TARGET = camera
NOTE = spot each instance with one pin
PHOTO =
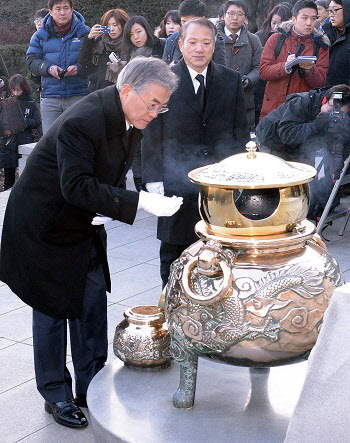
(338, 120)
(62, 73)
(105, 29)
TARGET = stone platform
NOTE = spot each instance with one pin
(128, 405)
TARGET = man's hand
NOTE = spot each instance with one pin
(307, 65)
(159, 205)
(290, 58)
(71, 70)
(54, 70)
(245, 81)
(155, 187)
(322, 121)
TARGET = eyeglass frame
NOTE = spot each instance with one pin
(38, 20)
(151, 108)
(333, 12)
(237, 14)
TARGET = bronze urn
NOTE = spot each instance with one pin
(253, 290)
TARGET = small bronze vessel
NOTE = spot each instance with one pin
(142, 340)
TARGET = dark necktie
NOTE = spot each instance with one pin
(201, 91)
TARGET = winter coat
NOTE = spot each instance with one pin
(259, 88)
(158, 47)
(172, 51)
(305, 142)
(279, 84)
(244, 56)
(97, 78)
(74, 172)
(184, 138)
(9, 145)
(47, 48)
(339, 53)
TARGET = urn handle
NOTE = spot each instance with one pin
(207, 279)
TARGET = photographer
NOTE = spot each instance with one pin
(315, 129)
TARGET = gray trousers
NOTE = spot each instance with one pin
(52, 107)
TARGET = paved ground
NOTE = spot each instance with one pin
(133, 258)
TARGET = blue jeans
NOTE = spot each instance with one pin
(52, 107)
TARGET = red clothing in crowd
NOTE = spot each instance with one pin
(279, 84)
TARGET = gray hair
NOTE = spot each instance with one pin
(141, 72)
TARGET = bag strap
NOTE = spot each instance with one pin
(279, 44)
(251, 41)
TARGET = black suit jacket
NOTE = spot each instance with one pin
(184, 139)
(73, 173)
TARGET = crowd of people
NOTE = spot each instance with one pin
(118, 95)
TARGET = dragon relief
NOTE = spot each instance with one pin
(209, 310)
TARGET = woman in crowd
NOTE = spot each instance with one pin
(171, 23)
(19, 88)
(338, 32)
(280, 13)
(139, 40)
(97, 46)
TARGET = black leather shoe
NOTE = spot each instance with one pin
(80, 400)
(67, 413)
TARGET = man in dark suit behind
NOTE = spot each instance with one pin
(53, 249)
(207, 122)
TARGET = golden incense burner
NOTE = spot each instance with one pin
(253, 290)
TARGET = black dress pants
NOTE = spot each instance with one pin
(10, 177)
(168, 253)
(88, 337)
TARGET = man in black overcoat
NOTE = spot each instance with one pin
(207, 122)
(53, 250)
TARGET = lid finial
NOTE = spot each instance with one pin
(251, 148)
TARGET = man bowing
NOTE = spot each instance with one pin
(53, 249)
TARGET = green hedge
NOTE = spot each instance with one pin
(16, 18)
(153, 10)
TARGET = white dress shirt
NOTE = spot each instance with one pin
(229, 33)
(194, 74)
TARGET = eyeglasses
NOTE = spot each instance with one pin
(151, 108)
(235, 14)
(333, 11)
(38, 21)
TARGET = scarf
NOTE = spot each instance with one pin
(145, 51)
(105, 44)
(108, 45)
(62, 30)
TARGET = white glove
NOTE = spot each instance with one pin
(100, 220)
(159, 205)
(155, 187)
